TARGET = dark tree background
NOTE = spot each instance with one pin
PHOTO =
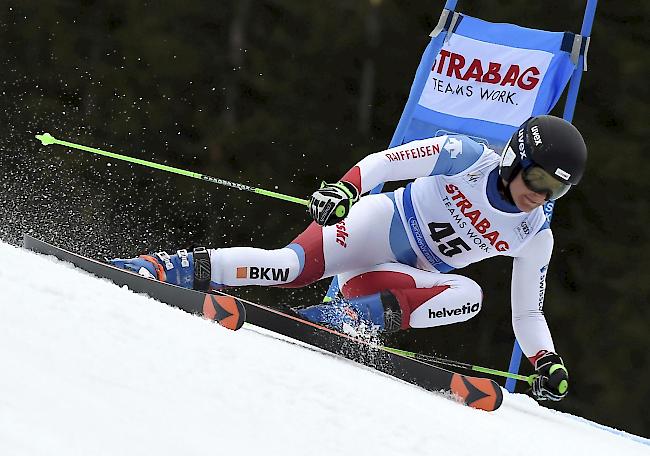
(284, 93)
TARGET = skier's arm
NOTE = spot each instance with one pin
(447, 155)
(528, 287)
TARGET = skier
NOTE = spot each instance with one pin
(394, 252)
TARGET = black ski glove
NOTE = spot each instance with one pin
(552, 382)
(332, 202)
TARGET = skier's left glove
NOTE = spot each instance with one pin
(332, 202)
(552, 381)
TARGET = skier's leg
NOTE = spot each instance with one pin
(425, 298)
(361, 241)
(395, 296)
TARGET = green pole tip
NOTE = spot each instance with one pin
(46, 139)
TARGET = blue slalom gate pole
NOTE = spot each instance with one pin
(515, 362)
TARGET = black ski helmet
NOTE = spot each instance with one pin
(549, 142)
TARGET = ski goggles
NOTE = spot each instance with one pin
(539, 180)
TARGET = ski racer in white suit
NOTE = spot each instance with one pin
(394, 253)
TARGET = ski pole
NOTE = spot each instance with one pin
(448, 362)
(48, 139)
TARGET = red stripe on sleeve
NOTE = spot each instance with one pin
(354, 177)
(533, 359)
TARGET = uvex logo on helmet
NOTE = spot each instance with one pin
(521, 145)
(456, 65)
(537, 137)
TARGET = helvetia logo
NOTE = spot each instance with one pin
(254, 272)
(444, 312)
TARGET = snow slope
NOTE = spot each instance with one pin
(88, 368)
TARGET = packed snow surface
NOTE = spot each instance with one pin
(88, 368)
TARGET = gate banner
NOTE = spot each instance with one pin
(487, 79)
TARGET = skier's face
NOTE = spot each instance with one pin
(525, 199)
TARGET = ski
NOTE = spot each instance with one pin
(476, 392)
(228, 311)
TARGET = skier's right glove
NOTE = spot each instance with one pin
(552, 381)
(332, 202)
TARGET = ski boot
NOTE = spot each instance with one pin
(361, 316)
(185, 269)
